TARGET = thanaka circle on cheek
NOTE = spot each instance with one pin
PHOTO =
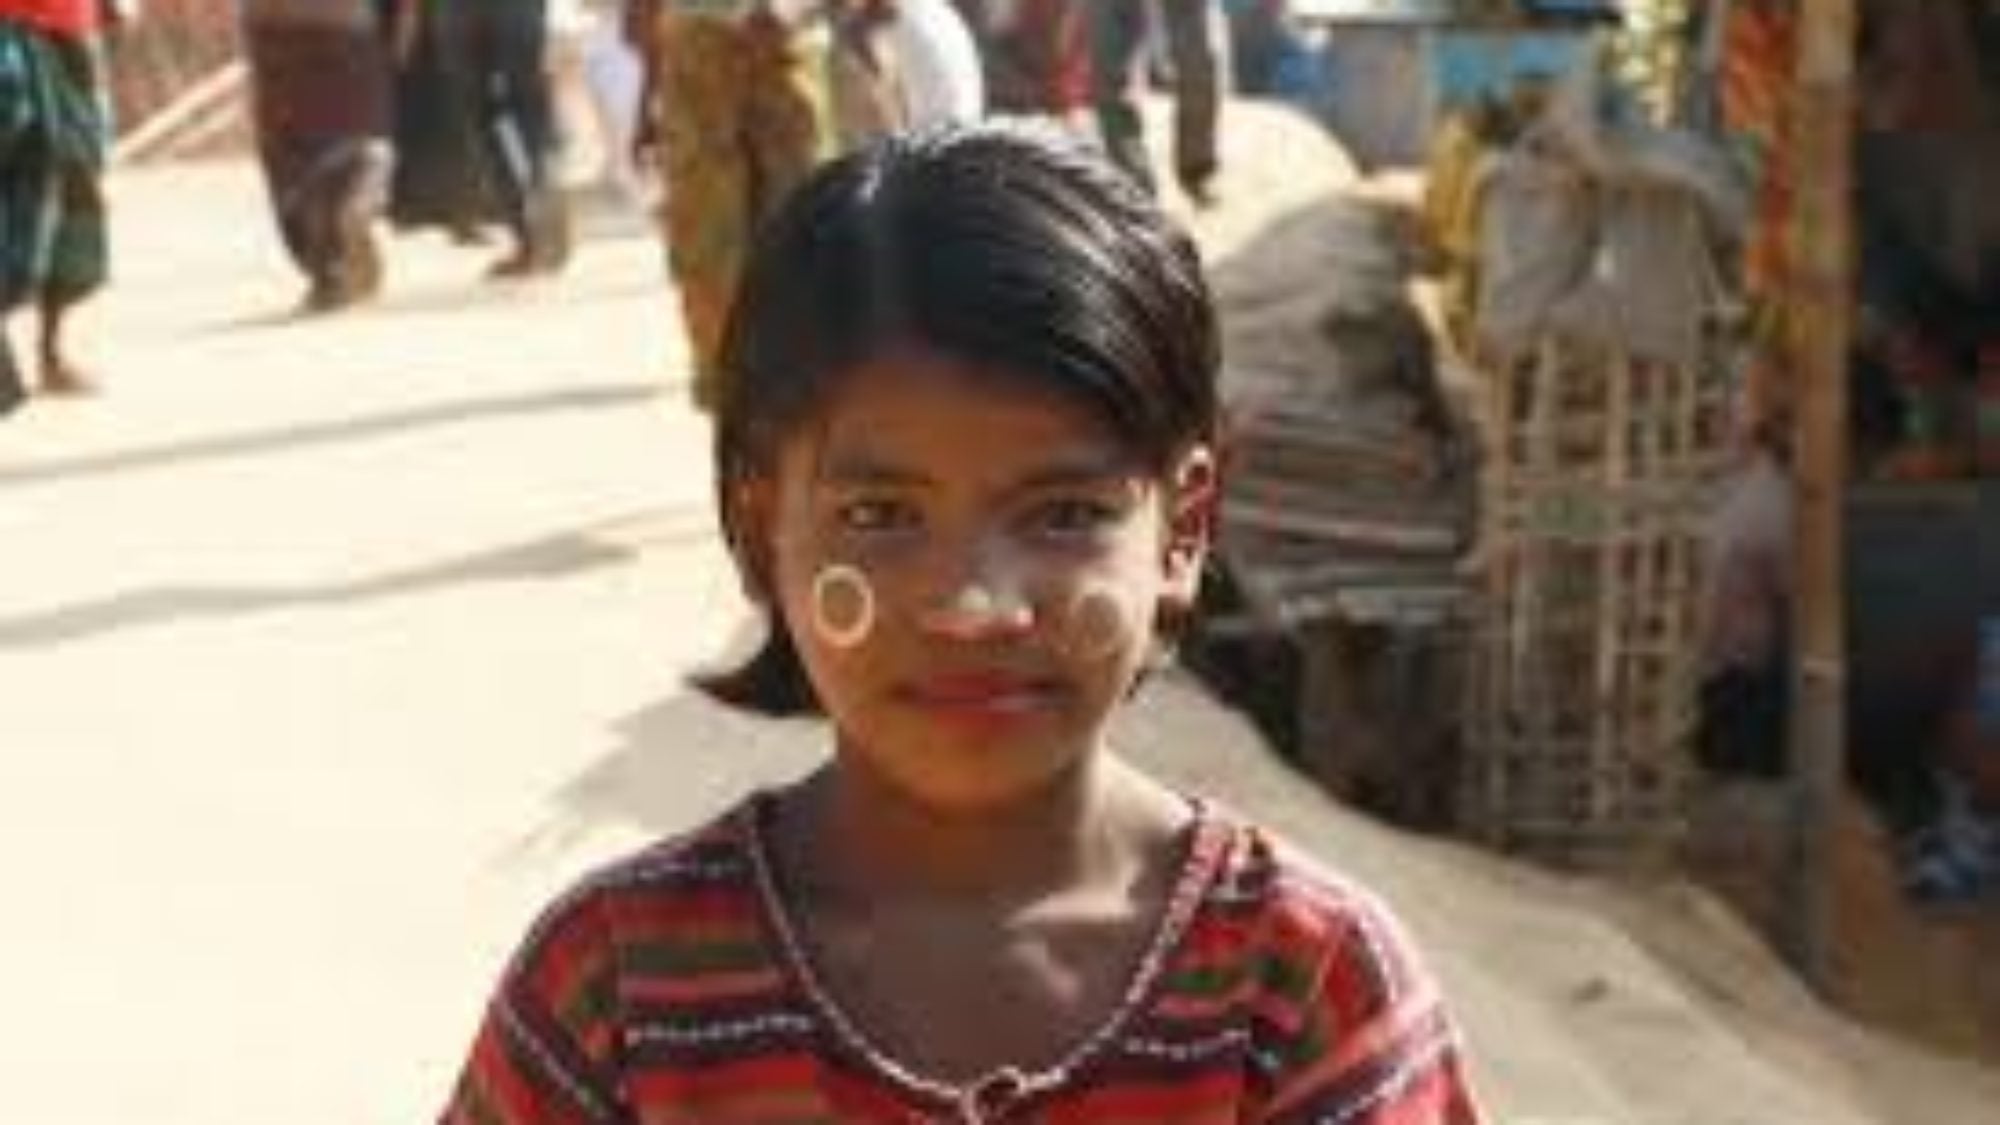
(843, 606)
(1093, 625)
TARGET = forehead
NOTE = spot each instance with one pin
(923, 415)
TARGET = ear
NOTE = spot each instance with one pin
(747, 521)
(1193, 499)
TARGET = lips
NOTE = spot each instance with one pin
(980, 695)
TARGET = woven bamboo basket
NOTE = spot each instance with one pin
(1582, 696)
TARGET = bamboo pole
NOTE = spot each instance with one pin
(204, 97)
(1821, 300)
(1613, 727)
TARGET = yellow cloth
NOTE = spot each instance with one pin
(741, 113)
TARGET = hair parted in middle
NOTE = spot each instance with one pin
(1005, 246)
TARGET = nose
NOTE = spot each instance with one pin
(981, 602)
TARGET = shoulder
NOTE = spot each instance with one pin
(1348, 1022)
(676, 884)
(1302, 909)
(630, 942)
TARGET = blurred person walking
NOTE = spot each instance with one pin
(442, 176)
(733, 115)
(53, 246)
(901, 64)
(321, 105)
(487, 70)
(1118, 39)
(614, 76)
(1035, 55)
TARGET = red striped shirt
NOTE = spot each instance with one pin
(657, 991)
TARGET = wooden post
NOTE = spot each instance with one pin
(1818, 319)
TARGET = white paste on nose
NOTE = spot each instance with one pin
(974, 609)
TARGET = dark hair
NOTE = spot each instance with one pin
(1003, 245)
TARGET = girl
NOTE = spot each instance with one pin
(966, 463)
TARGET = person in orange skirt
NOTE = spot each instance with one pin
(733, 118)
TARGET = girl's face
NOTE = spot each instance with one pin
(972, 572)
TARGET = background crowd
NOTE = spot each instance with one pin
(467, 117)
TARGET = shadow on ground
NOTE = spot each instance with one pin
(673, 765)
(294, 438)
(597, 218)
(585, 548)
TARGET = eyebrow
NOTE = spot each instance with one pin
(859, 468)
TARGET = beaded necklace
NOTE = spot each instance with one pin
(1006, 1088)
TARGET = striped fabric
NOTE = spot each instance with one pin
(657, 993)
(1759, 53)
(54, 246)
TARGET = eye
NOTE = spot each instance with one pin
(874, 515)
(1073, 517)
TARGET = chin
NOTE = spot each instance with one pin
(971, 775)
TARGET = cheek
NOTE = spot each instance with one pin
(836, 606)
(1097, 622)
(842, 607)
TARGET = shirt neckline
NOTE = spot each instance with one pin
(1007, 1087)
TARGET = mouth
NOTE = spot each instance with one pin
(981, 697)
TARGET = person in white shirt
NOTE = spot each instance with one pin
(901, 64)
(600, 79)
(942, 80)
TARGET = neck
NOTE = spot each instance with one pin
(854, 838)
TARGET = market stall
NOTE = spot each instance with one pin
(1874, 263)
(1871, 131)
